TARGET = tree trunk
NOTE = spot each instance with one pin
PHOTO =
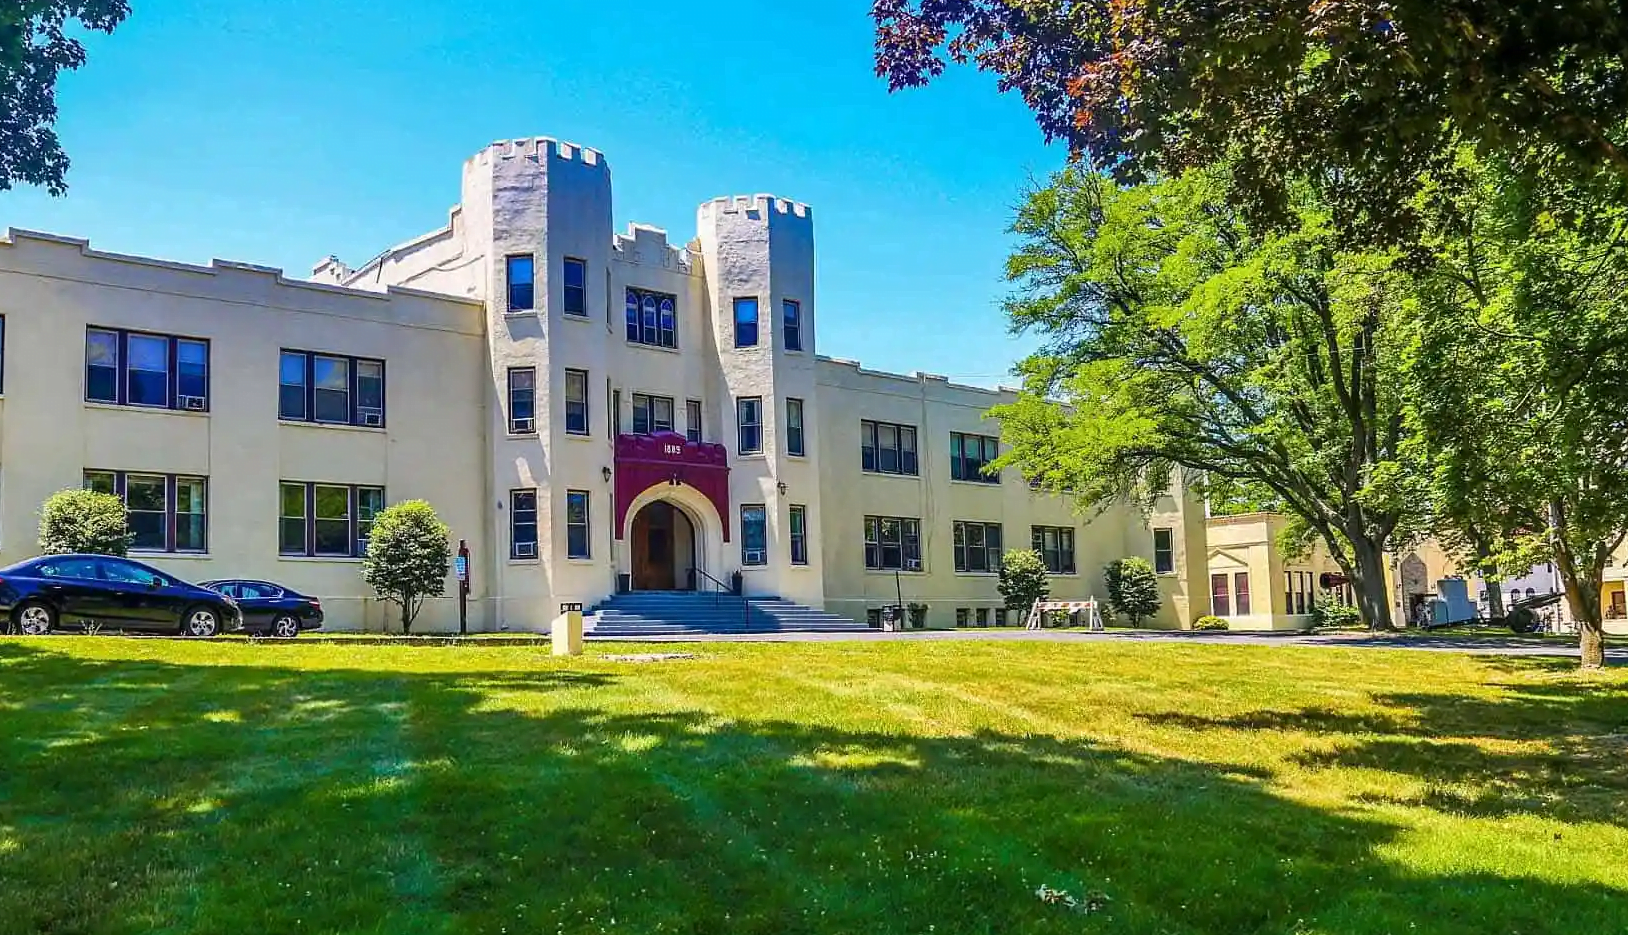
(1369, 581)
(1495, 597)
(1583, 598)
(406, 615)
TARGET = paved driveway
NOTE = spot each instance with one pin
(1491, 644)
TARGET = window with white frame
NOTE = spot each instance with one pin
(746, 321)
(794, 426)
(577, 539)
(154, 371)
(331, 389)
(576, 402)
(166, 512)
(754, 534)
(893, 542)
(576, 287)
(652, 318)
(521, 278)
(692, 420)
(791, 325)
(1164, 551)
(326, 520)
(977, 546)
(749, 425)
(887, 447)
(522, 400)
(799, 534)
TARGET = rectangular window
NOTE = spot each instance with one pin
(893, 542)
(652, 414)
(1164, 551)
(1000, 616)
(615, 412)
(326, 520)
(963, 616)
(1219, 604)
(155, 371)
(791, 328)
(522, 400)
(576, 402)
(749, 420)
(746, 321)
(522, 524)
(983, 616)
(887, 448)
(1056, 545)
(330, 388)
(576, 287)
(794, 426)
(576, 524)
(692, 420)
(652, 318)
(970, 454)
(977, 546)
(167, 513)
(754, 534)
(521, 284)
(799, 535)
(1240, 592)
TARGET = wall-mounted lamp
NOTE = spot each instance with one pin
(781, 487)
(605, 472)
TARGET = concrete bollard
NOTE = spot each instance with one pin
(567, 631)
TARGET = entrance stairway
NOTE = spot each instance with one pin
(690, 613)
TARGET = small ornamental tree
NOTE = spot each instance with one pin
(1133, 588)
(408, 555)
(1023, 580)
(84, 521)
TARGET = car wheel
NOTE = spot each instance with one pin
(33, 618)
(200, 622)
(285, 627)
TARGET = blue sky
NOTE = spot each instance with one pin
(278, 133)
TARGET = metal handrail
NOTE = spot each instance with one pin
(721, 586)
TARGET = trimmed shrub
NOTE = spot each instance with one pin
(1023, 580)
(1209, 622)
(1133, 588)
(84, 521)
(1330, 611)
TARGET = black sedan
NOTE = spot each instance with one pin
(93, 591)
(270, 609)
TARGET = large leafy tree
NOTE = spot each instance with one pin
(408, 554)
(1180, 337)
(35, 47)
(1518, 389)
(1359, 95)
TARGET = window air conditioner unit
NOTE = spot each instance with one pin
(372, 419)
(756, 557)
(525, 550)
(525, 426)
(912, 564)
(192, 403)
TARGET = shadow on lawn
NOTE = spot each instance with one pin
(146, 796)
(1552, 749)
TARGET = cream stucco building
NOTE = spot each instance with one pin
(591, 411)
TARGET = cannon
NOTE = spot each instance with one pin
(1523, 614)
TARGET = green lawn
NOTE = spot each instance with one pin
(225, 787)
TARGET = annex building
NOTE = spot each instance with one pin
(591, 411)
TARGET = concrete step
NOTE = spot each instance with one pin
(657, 613)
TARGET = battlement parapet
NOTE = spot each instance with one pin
(647, 245)
(761, 205)
(542, 148)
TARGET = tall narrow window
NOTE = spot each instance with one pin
(291, 520)
(1240, 592)
(616, 413)
(191, 373)
(522, 524)
(1219, 604)
(692, 420)
(332, 523)
(576, 287)
(791, 325)
(291, 387)
(102, 366)
(332, 394)
(576, 524)
(799, 534)
(1164, 551)
(754, 534)
(2, 353)
(576, 402)
(746, 322)
(148, 504)
(749, 420)
(370, 393)
(794, 426)
(191, 533)
(522, 400)
(369, 504)
(521, 284)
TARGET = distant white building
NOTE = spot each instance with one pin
(590, 411)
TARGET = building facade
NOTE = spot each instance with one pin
(590, 411)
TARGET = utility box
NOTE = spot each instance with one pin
(567, 631)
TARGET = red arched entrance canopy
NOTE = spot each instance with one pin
(643, 461)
